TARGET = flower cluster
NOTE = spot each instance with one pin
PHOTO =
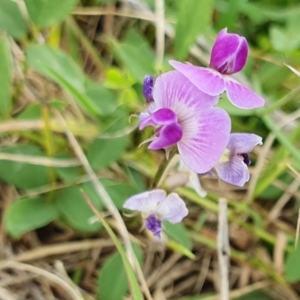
(183, 114)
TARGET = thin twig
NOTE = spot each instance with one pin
(74, 293)
(102, 193)
(106, 225)
(223, 249)
(99, 188)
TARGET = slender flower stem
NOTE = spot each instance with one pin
(163, 167)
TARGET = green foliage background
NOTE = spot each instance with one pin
(49, 64)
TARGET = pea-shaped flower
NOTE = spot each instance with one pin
(183, 116)
(233, 166)
(155, 207)
(228, 56)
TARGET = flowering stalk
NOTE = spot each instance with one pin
(162, 168)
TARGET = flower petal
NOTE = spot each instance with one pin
(154, 225)
(172, 209)
(224, 50)
(240, 57)
(146, 202)
(234, 171)
(168, 136)
(240, 143)
(205, 139)
(163, 116)
(241, 96)
(206, 80)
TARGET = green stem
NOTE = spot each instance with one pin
(162, 168)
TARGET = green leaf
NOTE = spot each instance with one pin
(108, 277)
(283, 39)
(48, 12)
(104, 151)
(57, 66)
(31, 112)
(178, 233)
(11, 19)
(103, 98)
(136, 55)
(75, 210)
(120, 192)
(21, 174)
(5, 76)
(194, 16)
(29, 214)
(292, 265)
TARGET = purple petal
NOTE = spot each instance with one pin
(234, 171)
(240, 57)
(148, 88)
(163, 116)
(223, 51)
(206, 80)
(241, 96)
(168, 136)
(205, 139)
(240, 143)
(146, 202)
(172, 209)
(154, 225)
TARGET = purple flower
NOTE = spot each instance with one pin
(228, 56)
(148, 88)
(182, 115)
(233, 166)
(156, 206)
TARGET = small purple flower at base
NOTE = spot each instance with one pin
(148, 88)
(228, 56)
(155, 206)
(183, 116)
(233, 167)
(153, 225)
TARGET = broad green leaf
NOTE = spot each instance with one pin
(23, 175)
(292, 265)
(69, 174)
(29, 214)
(178, 233)
(5, 76)
(283, 39)
(108, 277)
(57, 66)
(31, 112)
(136, 55)
(120, 192)
(116, 79)
(75, 210)
(103, 98)
(48, 12)
(194, 16)
(11, 19)
(229, 16)
(105, 151)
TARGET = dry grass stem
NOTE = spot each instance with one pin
(42, 161)
(74, 293)
(223, 249)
